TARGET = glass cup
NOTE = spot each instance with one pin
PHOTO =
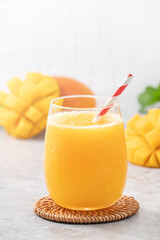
(85, 162)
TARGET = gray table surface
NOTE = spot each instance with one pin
(22, 183)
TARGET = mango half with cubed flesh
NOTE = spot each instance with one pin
(143, 139)
(24, 110)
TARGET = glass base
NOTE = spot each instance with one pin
(89, 209)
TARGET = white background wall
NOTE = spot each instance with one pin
(95, 41)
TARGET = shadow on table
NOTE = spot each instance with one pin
(40, 136)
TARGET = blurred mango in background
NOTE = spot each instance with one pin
(23, 112)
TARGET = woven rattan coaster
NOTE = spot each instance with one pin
(123, 208)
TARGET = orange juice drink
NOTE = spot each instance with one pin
(85, 162)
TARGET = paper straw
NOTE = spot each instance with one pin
(111, 100)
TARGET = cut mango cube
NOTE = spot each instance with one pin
(135, 143)
(43, 104)
(34, 77)
(153, 138)
(129, 132)
(8, 117)
(33, 114)
(141, 155)
(14, 85)
(131, 123)
(3, 96)
(153, 115)
(35, 131)
(23, 128)
(132, 145)
(45, 89)
(28, 92)
(14, 103)
(143, 125)
(152, 161)
(158, 155)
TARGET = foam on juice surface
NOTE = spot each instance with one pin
(83, 119)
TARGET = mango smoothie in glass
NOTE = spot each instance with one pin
(85, 161)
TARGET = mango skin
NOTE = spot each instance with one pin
(69, 86)
(143, 139)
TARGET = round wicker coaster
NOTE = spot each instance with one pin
(123, 208)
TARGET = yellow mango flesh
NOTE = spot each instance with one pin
(158, 122)
(158, 155)
(153, 115)
(8, 117)
(141, 154)
(143, 125)
(14, 85)
(33, 114)
(133, 144)
(152, 161)
(131, 123)
(34, 77)
(153, 138)
(143, 139)
(24, 111)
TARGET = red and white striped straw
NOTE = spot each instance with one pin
(111, 100)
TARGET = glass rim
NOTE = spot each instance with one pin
(115, 104)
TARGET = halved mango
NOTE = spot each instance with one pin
(143, 147)
(24, 111)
